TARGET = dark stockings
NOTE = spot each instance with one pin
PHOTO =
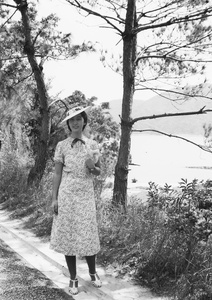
(91, 261)
(71, 263)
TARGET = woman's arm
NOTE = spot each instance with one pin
(56, 184)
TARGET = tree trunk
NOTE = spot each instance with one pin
(129, 56)
(37, 171)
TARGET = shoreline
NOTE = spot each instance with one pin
(199, 167)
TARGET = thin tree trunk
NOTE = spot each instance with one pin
(129, 55)
(37, 171)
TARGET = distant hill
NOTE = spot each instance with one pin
(175, 125)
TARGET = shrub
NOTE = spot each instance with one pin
(165, 242)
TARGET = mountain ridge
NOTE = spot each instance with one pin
(192, 124)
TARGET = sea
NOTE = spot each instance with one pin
(162, 159)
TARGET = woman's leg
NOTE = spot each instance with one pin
(91, 261)
(71, 263)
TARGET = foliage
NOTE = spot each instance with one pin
(49, 43)
(15, 195)
(14, 162)
(165, 242)
(208, 135)
(31, 204)
(41, 216)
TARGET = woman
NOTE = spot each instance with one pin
(74, 229)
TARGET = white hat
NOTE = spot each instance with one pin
(75, 111)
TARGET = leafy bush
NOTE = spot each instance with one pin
(166, 242)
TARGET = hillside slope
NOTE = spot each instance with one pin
(175, 125)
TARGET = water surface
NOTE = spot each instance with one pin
(166, 160)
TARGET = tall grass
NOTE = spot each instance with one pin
(14, 161)
(29, 203)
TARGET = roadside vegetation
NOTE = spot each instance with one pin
(163, 243)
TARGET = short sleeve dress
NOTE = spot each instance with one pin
(74, 228)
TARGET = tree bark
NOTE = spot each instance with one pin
(37, 171)
(129, 57)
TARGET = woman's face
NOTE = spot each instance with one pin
(76, 123)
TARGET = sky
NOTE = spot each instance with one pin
(86, 72)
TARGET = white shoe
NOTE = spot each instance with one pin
(95, 280)
(73, 287)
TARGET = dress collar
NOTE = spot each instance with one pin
(76, 140)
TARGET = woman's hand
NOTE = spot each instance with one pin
(90, 163)
(55, 206)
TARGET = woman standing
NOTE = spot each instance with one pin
(74, 229)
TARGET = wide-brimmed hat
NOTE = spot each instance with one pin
(75, 111)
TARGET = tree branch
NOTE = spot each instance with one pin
(174, 92)
(121, 20)
(8, 5)
(167, 45)
(192, 42)
(24, 78)
(171, 58)
(204, 148)
(172, 21)
(92, 12)
(190, 113)
(158, 9)
(9, 18)
(163, 76)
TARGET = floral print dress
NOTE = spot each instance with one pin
(74, 229)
